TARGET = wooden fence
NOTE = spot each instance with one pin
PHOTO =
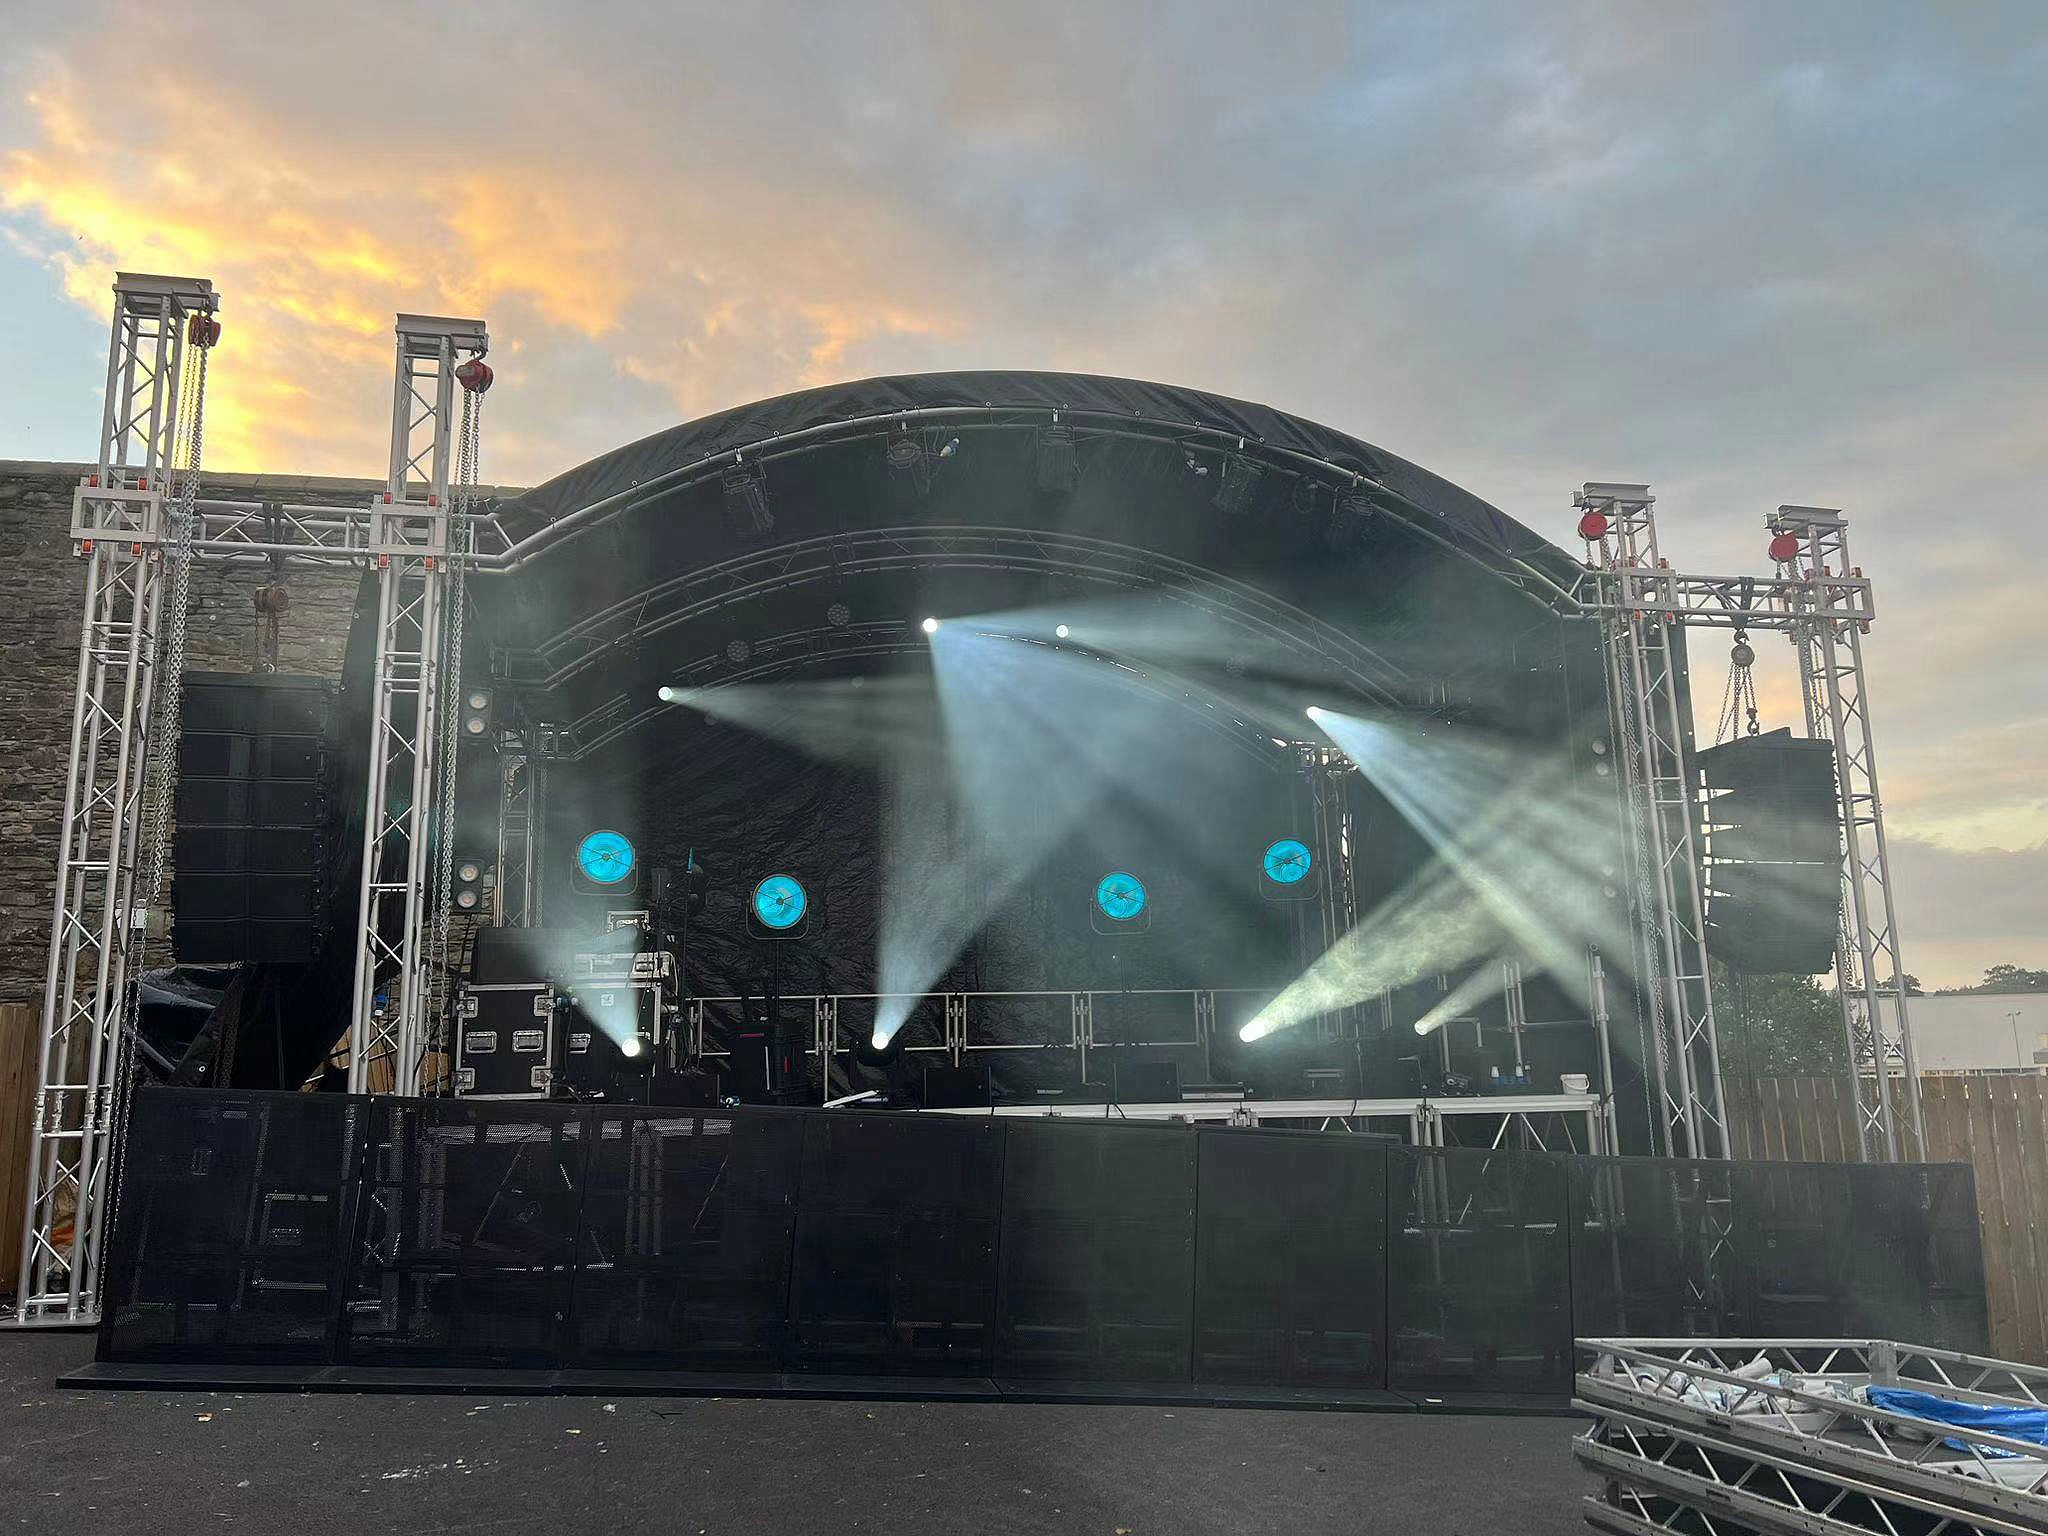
(20, 1025)
(1998, 1124)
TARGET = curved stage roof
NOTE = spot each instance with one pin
(630, 475)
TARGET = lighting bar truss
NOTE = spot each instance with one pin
(389, 1001)
(1823, 604)
(522, 803)
(1645, 677)
(96, 935)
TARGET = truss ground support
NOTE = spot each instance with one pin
(1868, 973)
(388, 1019)
(1643, 616)
(95, 933)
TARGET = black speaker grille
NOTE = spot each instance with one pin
(250, 803)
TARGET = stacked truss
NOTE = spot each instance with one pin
(1698, 1437)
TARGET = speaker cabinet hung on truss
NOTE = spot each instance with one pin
(250, 803)
(1774, 854)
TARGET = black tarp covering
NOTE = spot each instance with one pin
(323, 1231)
(1077, 396)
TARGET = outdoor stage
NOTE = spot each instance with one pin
(1119, 770)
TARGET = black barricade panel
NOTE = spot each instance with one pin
(233, 1213)
(1290, 1259)
(896, 1243)
(683, 1258)
(1651, 1256)
(1917, 1272)
(301, 1229)
(1478, 1272)
(1791, 1231)
(467, 1234)
(1097, 1251)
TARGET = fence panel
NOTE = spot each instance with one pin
(303, 1230)
(1290, 1259)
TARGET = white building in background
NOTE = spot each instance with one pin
(1981, 1032)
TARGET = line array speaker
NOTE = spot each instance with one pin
(250, 803)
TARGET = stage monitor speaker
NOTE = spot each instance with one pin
(957, 1087)
(250, 807)
(1147, 1082)
(1774, 881)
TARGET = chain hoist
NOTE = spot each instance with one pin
(1738, 699)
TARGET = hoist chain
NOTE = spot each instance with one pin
(468, 441)
(181, 509)
(1738, 699)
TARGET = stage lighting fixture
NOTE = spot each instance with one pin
(666, 694)
(476, 712)
(631, 1046)
(737, 651)
(1314, 712)
(747, 512)
(780, 905)
(1057, 469)
(906, 460)
(1120, 896)
(839, 615)
(468, 894)
(930, 626)
(1062, 631)
(1240, 480)
(1287, 862)
(952, 446)
(1348, 514)
(605, 858)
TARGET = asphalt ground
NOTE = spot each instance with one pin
(185, 1462)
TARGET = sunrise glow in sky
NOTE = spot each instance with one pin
(1749, 252)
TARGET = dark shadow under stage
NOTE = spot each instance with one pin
(310, 1242)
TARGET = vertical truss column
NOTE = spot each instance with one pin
(1811, 545)
(118, 525)
(1669, 904)
(409, 538)
(1327, 769)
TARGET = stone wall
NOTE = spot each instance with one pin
(42, 585)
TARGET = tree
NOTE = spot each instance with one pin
(1777, 1026)
(2011, 978)
(1912, 985)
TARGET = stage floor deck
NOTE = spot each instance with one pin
(97, 1461)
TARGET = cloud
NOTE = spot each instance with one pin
(1962, 912)
(1750, 253)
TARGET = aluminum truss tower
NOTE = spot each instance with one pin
(119, 525)
(410, 529)
(1645, 676)
(133, 519)
(1823, 604)
(1813, 545)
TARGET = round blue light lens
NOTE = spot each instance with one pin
(780, 902)
(605, 858)
(1288, 861)
(1121, 896)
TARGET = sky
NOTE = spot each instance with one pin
(1749, 253)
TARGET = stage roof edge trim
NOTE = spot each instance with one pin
(615, 481)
